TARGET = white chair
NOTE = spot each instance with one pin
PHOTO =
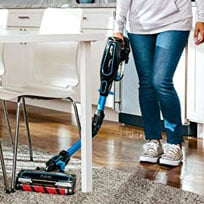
(59, 81)
(8, 95)
(3, 22)
(4, 96)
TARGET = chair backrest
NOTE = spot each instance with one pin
(3, 18)
(2, 68)
(3, 24)
(55, 64)
(61, 21)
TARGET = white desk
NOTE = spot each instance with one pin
(85, 86)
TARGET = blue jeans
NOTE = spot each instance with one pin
(156, 57)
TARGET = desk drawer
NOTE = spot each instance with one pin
(24, 18)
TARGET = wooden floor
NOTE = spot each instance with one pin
(116, 146)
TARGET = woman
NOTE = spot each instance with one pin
(158, 32)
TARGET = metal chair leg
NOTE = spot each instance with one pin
(27, 129)
(15, 145)
(4, 170)
(76, 115)
(7, 122)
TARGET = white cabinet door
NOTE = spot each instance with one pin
(197, 107)
(130, 85)
(195, 85)
(17, 57)
(14, 57)
(195, 80)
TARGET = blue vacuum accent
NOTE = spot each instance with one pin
(75, 147)
(101, 103)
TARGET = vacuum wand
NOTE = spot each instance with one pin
(113, 57)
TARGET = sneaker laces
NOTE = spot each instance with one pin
(151, 148)
(172, 151)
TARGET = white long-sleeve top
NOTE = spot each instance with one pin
(152, 16)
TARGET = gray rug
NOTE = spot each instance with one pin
(109, 186)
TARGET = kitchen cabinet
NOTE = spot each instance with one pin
(195, 102)
(17, 56)
(32, 69)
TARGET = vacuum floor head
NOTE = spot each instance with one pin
(46, 182)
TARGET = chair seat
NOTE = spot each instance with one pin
(12, 93)
(6, 94)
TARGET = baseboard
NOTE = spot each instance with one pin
(61, 105)
(134, 120)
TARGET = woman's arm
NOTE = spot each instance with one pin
(122, 8)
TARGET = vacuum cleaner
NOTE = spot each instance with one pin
(52, 179)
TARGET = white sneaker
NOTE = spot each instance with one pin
(152, 152)
(172, 155)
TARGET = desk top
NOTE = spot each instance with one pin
(12, 36)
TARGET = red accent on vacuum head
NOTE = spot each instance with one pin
(46, 182)
(39, 189)
(44, 189)
(26, 187)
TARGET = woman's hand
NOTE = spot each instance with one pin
(199, 33)
(120, 36)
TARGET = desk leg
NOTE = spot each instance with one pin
(86, 112)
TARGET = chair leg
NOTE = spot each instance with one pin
(7, 122)
(76, 115)
(27, 129)
(4, 170)
(15, 145)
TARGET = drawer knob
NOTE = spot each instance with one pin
(22, 29)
